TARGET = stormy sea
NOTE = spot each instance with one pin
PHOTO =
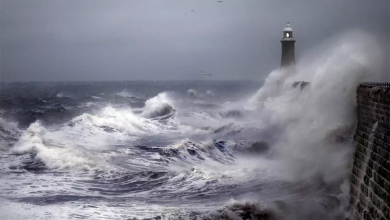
(273, 149)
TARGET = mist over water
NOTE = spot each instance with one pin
(187, 150)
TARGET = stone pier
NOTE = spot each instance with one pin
(370, 179)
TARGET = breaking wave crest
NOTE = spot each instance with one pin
(158, 106)
(53, 155)
(113, 120)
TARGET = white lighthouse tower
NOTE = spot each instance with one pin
(288, 47)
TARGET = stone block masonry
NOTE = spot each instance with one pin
(370, 179)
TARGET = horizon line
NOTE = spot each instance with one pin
(213, 80)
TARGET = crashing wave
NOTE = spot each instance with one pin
(158, 106)
(53, 154)
(111, 119)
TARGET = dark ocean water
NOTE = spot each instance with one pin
(150, 150)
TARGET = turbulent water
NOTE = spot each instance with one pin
(183, 150)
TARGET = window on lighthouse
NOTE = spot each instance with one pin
(287, 35)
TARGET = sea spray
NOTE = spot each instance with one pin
(324, 111)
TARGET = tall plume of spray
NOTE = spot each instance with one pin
(318, 121)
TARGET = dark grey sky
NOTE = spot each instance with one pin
(164, 40)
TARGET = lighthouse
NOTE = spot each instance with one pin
(288, 50)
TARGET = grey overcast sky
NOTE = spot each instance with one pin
(46, 40)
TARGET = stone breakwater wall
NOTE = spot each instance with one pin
(370, 179)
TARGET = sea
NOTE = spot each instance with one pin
(165, 150)
(274, 149)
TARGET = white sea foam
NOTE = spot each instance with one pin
(11, 210)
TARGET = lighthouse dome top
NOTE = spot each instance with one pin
(287, 28)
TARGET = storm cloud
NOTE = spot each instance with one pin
(46, 40)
